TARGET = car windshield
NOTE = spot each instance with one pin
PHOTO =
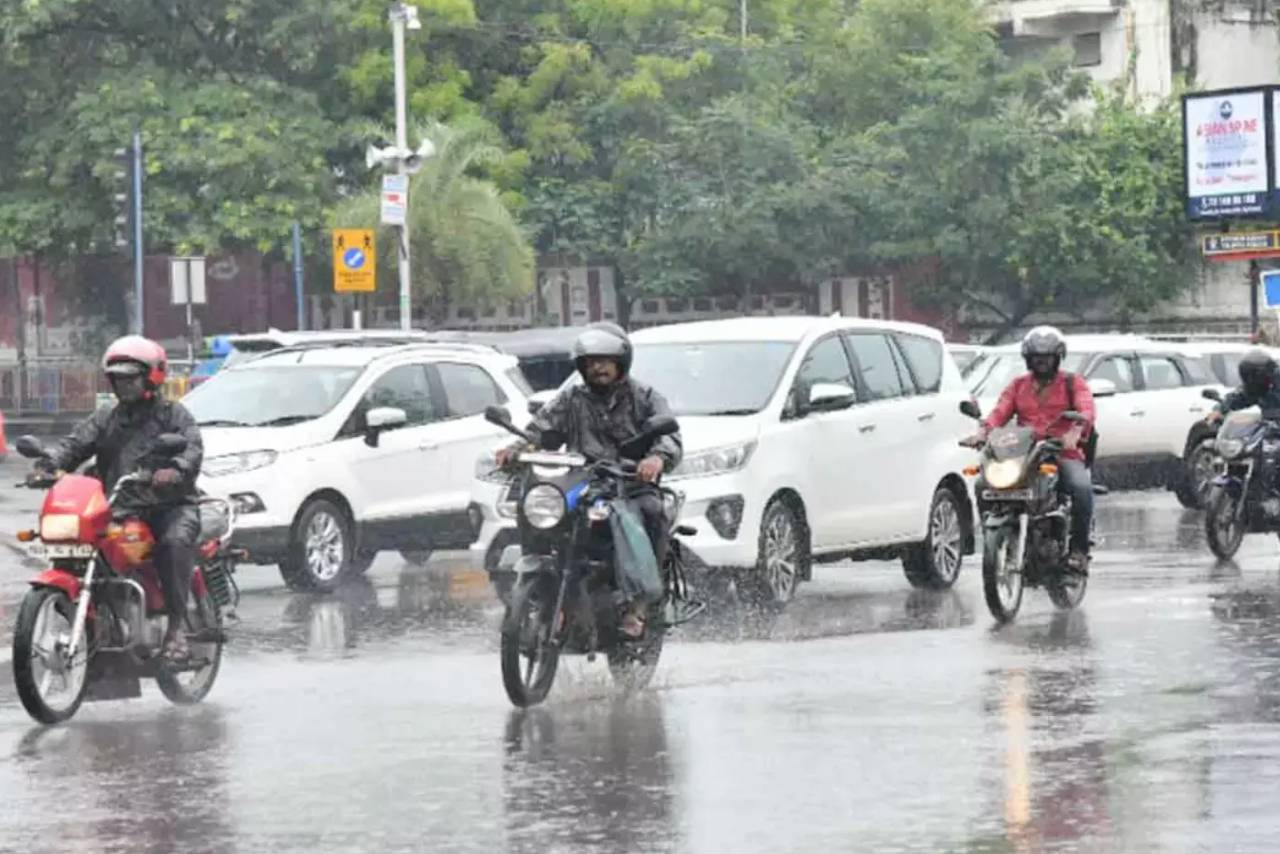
(270, 395)
(713, 377)
(998, 370)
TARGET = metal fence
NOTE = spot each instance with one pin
(63, 388)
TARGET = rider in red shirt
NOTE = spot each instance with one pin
(1038, 399)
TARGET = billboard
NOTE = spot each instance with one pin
(1229, 149)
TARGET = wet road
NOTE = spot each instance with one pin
(865, 718)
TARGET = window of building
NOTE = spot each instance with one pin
(1088, 48)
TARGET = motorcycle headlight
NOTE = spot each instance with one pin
(715, 461)
(237, 463)
(1229, 448)
(60, 526)
(544, 506)
(1002, 474)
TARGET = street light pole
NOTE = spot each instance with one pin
(139, 321)
(399, 16)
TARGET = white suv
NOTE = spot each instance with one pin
(333, 453)
(1148, 397)
(806, 439)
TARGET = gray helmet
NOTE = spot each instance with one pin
(604, 341)
(1044, 341)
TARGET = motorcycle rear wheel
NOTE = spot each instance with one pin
(1001, 589)
(1223, 525)
(188, 687)
(1067, 592)
(528, 664)
(34, 643)
(633, 663)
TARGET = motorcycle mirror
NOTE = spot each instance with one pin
(497, 415)
(30, 447)
(971, 409)
(1212, 394)
(660, 425)
(170, 444)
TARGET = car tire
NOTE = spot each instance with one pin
(934, 564)
(321, 548)
(1196, 474)
(783, 556)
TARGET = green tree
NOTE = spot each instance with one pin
(465, 243)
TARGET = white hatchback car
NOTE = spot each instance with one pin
(333, 453)
(806, 439)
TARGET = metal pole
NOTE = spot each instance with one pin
(402, 143)
(1254, 275)
(742, 19)
(297, 274)
(191, 348)
(138, 322)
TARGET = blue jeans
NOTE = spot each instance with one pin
(1074, 480)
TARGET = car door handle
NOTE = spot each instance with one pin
(866, 428)
(1137, 413)
(1196, 409)
(428, 446)
(928, 416)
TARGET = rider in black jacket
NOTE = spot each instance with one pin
(1259, 386)
(122, 438)
(597, 416)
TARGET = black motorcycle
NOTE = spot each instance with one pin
(1243, 496)
(565, 595)
(1026, 520)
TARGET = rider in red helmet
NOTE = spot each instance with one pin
(122, 438)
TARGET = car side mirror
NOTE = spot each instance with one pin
(971, 409)
(539, 400)
(382, 418)
(1102, 388)
(30, 447)
(830, 397)
(1208, 394)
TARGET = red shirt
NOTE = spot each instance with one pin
(1041, 408)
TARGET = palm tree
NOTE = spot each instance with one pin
(466, 244)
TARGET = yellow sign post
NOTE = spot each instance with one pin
(355, 260)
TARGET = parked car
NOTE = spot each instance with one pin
(249, 345)
(332, 454)
(806, 439)
(966, 355)
(1148, 400)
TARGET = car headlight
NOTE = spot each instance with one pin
(715, 461)
(1229, 448)
(1002, 474)
(544, 506)
(236, 463)
(60, 526)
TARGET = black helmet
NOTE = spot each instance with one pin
(603, 341)
(1256, 370)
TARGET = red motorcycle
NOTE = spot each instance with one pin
(92, 625)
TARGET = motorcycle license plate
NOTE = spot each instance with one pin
(1006, 494)
(60, 550)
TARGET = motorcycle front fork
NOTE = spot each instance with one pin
(82, 611)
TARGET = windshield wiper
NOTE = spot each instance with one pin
(221, 422)
(284, 420)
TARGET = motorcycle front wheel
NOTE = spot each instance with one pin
(1001, 583)
(50, 685)
(1223, 523)
(529, 659)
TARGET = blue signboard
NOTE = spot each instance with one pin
(1271, 288)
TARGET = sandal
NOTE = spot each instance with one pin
(176, 649)
(632, 626)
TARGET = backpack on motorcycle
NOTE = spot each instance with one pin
(1090, 444)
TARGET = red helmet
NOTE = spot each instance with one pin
(133, 355)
